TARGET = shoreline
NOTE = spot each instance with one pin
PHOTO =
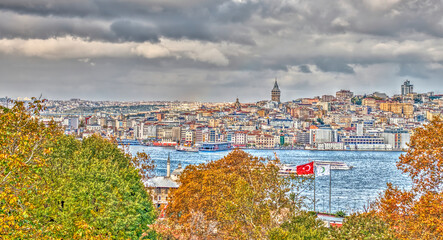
(297, 149)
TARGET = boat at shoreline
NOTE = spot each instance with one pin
(287, 169)
(335, 165)
(214, 147)
(164, 144)
(182, 148)
(131, 142)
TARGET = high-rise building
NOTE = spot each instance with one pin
(275, 93)
(407, 88)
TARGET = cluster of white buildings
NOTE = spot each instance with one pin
(341, 122)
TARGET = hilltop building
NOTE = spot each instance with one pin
(407, 88)
(344, 94)
(237, 105)
(275, 93)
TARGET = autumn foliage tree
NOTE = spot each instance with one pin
(53, 186)
(237, 197)
(23, 154)
(418, 213)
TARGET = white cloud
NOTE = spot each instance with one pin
(381, 4)
(78, 48)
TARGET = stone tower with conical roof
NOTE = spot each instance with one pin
(237, 105)
(275, 93)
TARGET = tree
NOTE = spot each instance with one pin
(56, 187)
(418, 213)
(356, 100)
(94, 183)
(237, 197)
(362, 226)
(23, 153)
(303, 225)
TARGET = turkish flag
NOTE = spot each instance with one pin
(305, 169)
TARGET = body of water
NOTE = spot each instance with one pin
(351, 190)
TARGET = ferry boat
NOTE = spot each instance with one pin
(164, 144)
(214, 147)
(334, 165)
(128, 142)
(182, 148)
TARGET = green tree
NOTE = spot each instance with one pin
(303, 225)
(94, 183)
(362, 226)
(56, 187)
(356, 100)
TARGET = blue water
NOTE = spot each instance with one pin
(351, 190)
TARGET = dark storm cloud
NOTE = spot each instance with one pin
(190, 18)
(334, 65)
(223, 43)
(304, 69)
(35, 27)
(133, 32)
(414, 70)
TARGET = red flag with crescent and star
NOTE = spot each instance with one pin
(305, 169)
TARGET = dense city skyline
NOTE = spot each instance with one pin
(217, 50)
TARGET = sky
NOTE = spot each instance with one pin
(217, 50)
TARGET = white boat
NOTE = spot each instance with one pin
(287, 169)
(334, 165)
(214, 147)
(182, 148)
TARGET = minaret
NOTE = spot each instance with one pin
(275, 93)
(168, 166)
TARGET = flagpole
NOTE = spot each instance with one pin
(330, 174)
(314, 191)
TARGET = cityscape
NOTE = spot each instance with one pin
(344, 121)
(221, 119)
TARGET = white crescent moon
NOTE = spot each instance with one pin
(309, 168)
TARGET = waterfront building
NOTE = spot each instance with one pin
(275, 93)
(264, 141)
(331, 146)
(397, 138)
(407, 88)
(240, 138)
(302, 137)
(360, 139)
(322, 135)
